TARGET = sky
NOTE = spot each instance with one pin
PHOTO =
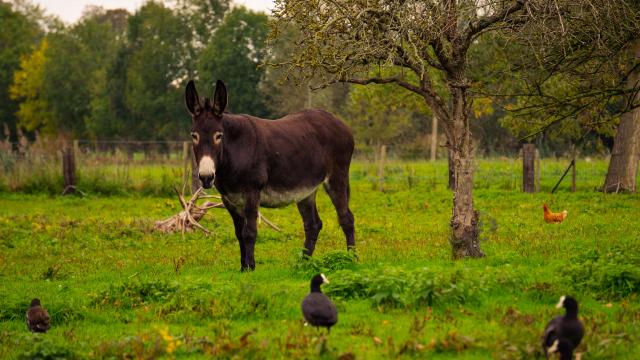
(70, 10)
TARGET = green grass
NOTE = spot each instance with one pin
(116, 289)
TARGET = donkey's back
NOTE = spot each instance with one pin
(308, 134)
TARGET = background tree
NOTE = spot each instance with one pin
(625, 156)
(386, 115)
(19, 36)
(233, 55)
(109, 116)
(576, 72)
(342, 39)
(34, 112)
(156, 63)
(204, 17)
(56, 80)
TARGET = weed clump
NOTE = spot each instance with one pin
(611, 274)
(135, 293)
(331, 261)
(45, 349)
(144, 346)
(400, 288)
(243, 301)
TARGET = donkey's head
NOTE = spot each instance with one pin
(206, 129)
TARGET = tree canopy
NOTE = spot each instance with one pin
(116, 75)
(19, 36)
(234, 55)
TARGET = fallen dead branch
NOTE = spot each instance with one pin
(191, 214)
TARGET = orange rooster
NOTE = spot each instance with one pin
(551, 217)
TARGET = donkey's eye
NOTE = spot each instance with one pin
(196, 137)
(217, 137)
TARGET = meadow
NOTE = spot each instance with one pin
(116, 289)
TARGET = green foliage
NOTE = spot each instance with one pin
(135, 293)
(331, 261)
(18, 37)
(204, 16)
(233, 55)
(398, 288)
(34, 111)
(45, 349)
(385, 114)
(610, 274)
(158, 41)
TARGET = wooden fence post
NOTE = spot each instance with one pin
(528, 168)
(383, 155)
(69, 171)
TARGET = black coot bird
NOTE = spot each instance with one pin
(317, 308)
(563, 333)
(37, 317)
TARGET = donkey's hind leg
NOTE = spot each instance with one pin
(337, 187)
(311, 221)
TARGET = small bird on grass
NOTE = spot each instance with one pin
(551, 217)
(563, 333)
(317, 308)
(37, 317)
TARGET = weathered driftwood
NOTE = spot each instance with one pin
(189, 217)
(191, 214)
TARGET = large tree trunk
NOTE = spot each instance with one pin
(464, 238)
(623, 167)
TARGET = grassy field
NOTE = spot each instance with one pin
(116, 289)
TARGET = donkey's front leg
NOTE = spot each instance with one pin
(250, 230)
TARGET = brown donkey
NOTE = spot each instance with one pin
(271, 163)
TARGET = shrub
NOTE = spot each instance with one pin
(331, 261)
(45, 349)
(132, 294)
(608, 274)
(398, 288)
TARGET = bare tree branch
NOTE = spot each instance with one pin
(504, 15)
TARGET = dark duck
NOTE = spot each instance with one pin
(37, 317)
(563, 333)
(318, 310)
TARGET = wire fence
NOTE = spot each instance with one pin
(155, 167)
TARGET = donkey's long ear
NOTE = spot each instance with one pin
(220, 98)
(191, 97)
